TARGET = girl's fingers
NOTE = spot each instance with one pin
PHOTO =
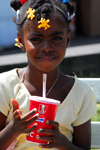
(48, 145)
(17, 114)
(30, 121)
(54, 124)
(47, 138)
(29, 115)
(50, 132)
(47, 131)
(32, 128)
(16, 111)
(16, 107)
(15, 104)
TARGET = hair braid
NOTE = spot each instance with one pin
(43, 8)
(15, 4)
(70, 8)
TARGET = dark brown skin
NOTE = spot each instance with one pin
(45, 51)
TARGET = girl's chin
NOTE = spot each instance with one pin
(46, 68)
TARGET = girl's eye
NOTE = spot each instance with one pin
(57, 39)
(35, 39)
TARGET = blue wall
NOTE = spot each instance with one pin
(7, 27)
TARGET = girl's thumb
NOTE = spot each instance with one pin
(15, 104)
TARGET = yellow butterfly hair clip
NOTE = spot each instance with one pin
(44, 23)
(17, 44)
(31, 13)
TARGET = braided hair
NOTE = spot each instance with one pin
(43, 9)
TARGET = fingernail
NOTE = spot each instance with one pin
(47, 121)
(36, 115)
(37, 137)
(34, 110)
(40, 146)
(39, 130)
(35, 124)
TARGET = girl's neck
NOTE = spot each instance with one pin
(35, 77)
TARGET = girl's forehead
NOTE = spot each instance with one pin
(55, 24)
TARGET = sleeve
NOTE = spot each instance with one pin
(88, 108)
(4, 97)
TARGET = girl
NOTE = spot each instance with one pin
(43, 32)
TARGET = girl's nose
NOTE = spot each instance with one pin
(46, 47)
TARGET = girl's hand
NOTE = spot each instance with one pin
(21, 122)
(55, 138)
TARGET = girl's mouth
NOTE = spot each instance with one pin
(46, 59)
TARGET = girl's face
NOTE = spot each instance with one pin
(45, 48)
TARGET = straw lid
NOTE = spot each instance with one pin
(44, 100)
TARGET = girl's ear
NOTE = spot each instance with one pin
(68, 40)
(20, 40)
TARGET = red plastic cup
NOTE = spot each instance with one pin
(47, 109)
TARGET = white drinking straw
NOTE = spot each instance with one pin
(44, 85)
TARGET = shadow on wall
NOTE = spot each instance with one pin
(88, 18)
(7, 27)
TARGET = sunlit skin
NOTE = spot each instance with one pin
(45, 48)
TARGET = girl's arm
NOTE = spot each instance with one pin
(6, 133)
(81, 137)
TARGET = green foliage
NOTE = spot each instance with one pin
(95, 149)
(97, 116)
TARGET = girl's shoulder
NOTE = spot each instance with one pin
(78, 92)
(76, 82)
(8, 77)
(7, 73)
(74, 86)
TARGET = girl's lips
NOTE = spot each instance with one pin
(46, 59)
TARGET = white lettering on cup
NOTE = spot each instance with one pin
(31, 134)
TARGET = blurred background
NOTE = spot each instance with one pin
(83, 55)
